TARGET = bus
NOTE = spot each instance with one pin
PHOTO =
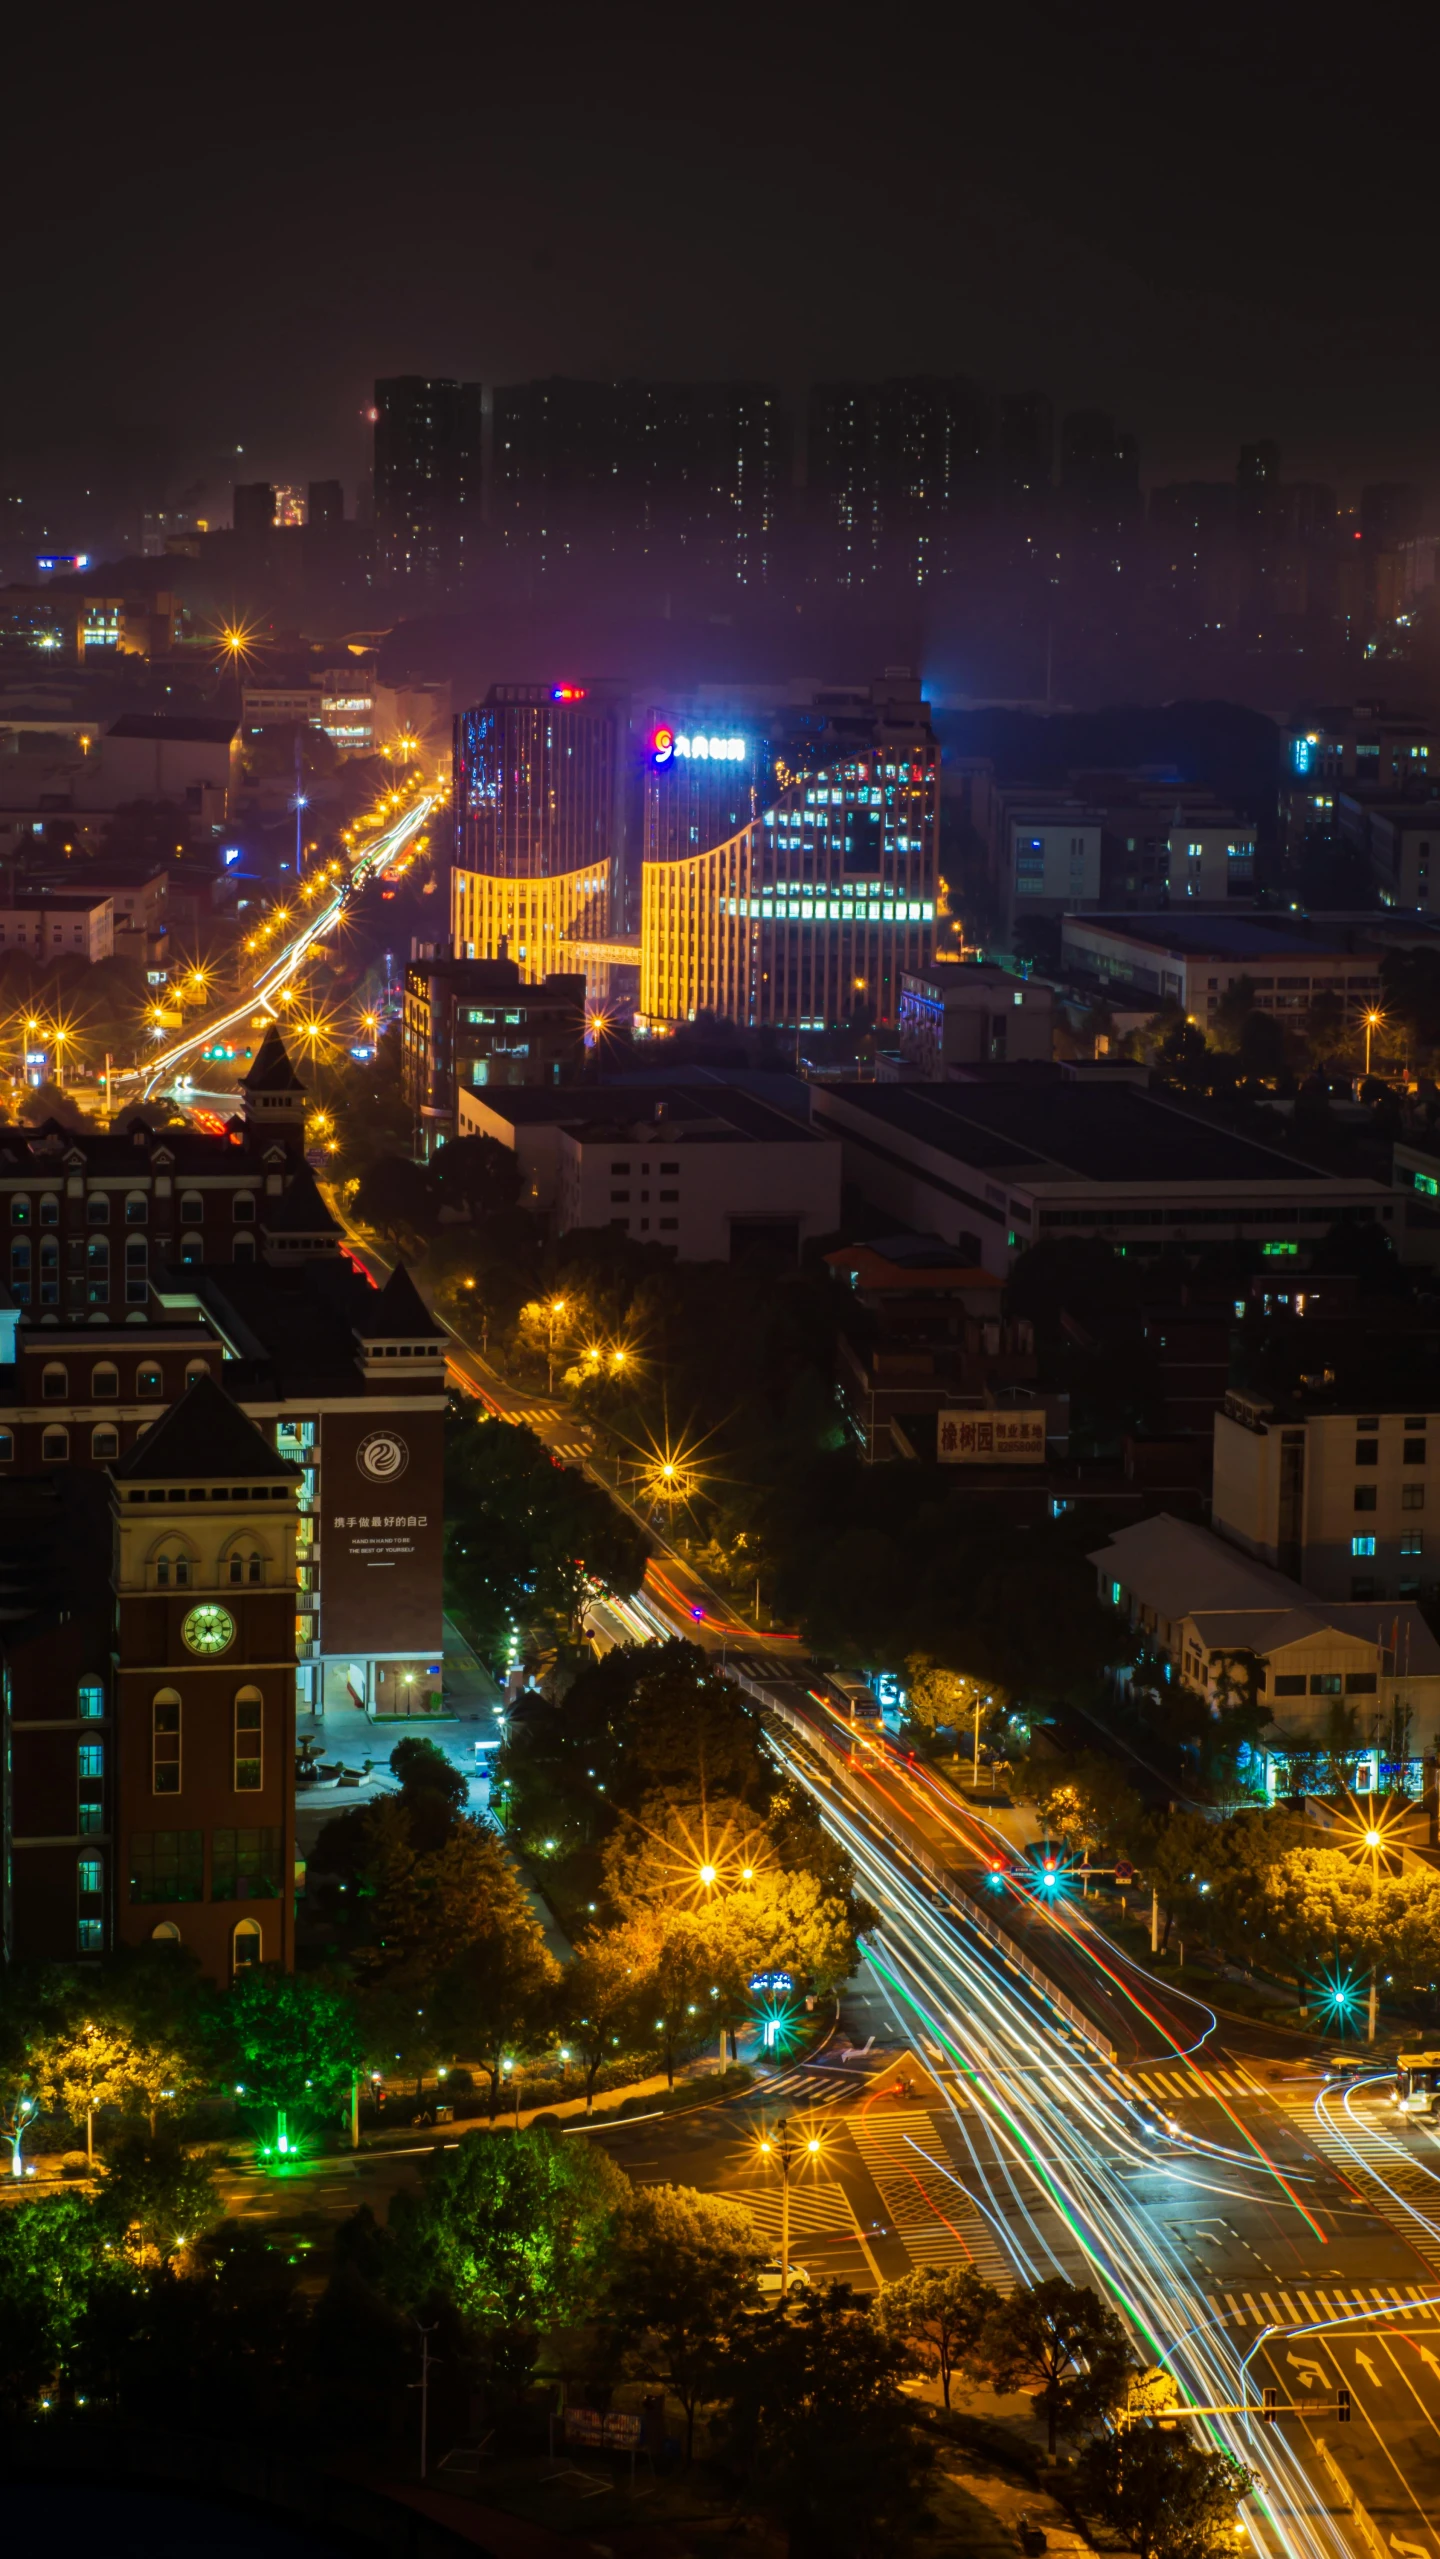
(854, 1697)
(1417, 2083)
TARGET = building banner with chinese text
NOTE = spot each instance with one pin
(990, 1439)
(382, 1524)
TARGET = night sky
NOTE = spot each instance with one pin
(221, 230)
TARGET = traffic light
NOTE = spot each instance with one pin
(1342, 2406)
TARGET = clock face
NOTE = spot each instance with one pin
(209, 1629)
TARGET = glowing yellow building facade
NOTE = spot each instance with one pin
(527, 920)
(814, 911)
(536, 796)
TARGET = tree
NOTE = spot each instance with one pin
(1173, 2498)
(1064, 2344)
(432, 1788)
(1174, 1852)
(525, 1537)
(51, 2257)
(936, 1697)
(518, 2231)
(1320, 1905)
(157, 2195)
(816, 2421)
(602, 1993)
(684, 2275)
(292, 2042)
(397, 1197)
(83, 2070)
(421, 1909)
(501, 1995)
(476, 1176)
(940, 2317)
(688, 1987)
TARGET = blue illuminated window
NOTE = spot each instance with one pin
(1362, 1545)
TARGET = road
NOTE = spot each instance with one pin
(1255, 2229)
(277, 972)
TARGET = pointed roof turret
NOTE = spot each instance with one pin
(298, 1223)
(272, 1071)
(399, 1314)
(206, 1435)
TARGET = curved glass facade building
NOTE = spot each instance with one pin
(812, 909)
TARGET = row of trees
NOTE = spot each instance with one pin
(1258, 1886)
(527, 1541)
(532, 2260)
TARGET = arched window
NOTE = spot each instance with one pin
(192, 1248)
(97, 1270)
(20, 1209)
(246, 1945)
(137, 1208)
(249, 1741)
(247, 1564)
(165, 1933)
(49, 1270)
(54, 1445)
(90, 1700)
(244, 1249)
(104, 1381)
(49, 1208)
(20, 1270)
(196, 1369)
(149, 1379)
(192, 1209)
(104, 1442)
(242, 1208)
(97, 1209)
(165, 1747)
(55, 1381)
(172, 1566)
(137, 1270)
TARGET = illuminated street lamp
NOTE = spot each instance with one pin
(779, 2149)
(1373, 1020)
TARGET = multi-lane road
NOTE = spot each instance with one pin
(277, 969)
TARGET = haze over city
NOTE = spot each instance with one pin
(719, 1223)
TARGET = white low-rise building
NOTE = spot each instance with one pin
(708, 1187)
(1230, 1627)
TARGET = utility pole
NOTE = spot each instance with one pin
(423, 2386)
(1154, 1920)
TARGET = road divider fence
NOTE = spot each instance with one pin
(941, 1876)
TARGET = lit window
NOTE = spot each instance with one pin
(1362, 1545)
(90, 1700)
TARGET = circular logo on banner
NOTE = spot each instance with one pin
(383, 1456)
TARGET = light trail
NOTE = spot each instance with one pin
(278, 972)
(1065, 2149)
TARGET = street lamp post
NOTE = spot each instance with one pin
(1373, 1021)
(785, 2144)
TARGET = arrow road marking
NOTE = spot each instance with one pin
(1364, 2359)
(1427, 2356)
(1310, 2372)
(1408, 2549)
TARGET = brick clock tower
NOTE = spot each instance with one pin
(204, 1512)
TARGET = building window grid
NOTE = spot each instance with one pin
(165, 1740)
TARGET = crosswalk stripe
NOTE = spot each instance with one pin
(1233, 2306)
(1291, 2313)
(907, 2182)
(1270, 2310)
(1249, 2301)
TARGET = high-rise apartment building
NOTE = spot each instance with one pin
(819, 903)
(427, 481)
(891, 467)
(539, 810)
(675, 480)
(1099, 472)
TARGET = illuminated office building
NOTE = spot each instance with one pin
(818, 904)
(538, 822)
